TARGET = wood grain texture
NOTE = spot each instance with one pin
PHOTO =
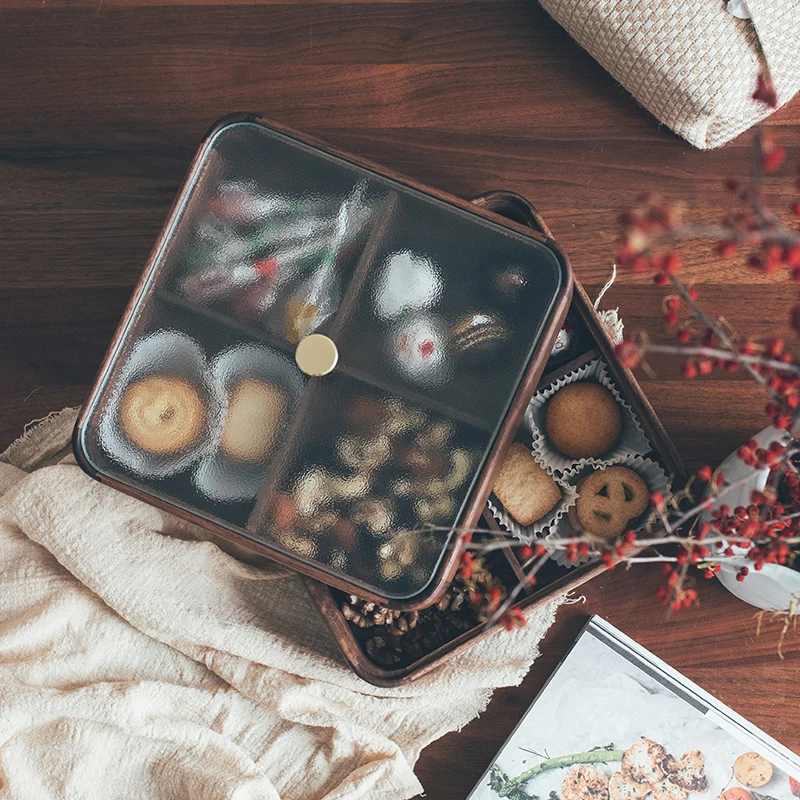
(104, 104)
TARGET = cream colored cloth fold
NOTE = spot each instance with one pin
(137, 662)
(689, 62)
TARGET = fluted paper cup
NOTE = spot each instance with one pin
(527, 533)
(222, 478)
(171, 354)
(654, 476)
(632, 440)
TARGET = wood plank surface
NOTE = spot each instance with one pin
(104, 104)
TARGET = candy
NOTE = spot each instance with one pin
(510, 282)
(480, 335)
(241, 202)
(417, 348)
(407, 282)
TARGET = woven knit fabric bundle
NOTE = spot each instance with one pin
(690, 62)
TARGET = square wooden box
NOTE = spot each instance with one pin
(166, 327)
(490, 222)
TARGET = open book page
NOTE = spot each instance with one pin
(615, 723)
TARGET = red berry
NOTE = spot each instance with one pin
(765, 91)
(672, 263)
(771, 160)
(773, 346)
(657, 499)
(629, 353)
(726, 249)
(704, 473)
(630, 537)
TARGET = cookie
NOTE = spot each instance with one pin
(526, 490)
(583, 420)
(161, 414)
(689, 772)
(752, 770)
(665, 789)
(608, 499)
(256, 411)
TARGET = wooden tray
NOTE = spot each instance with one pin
(563, 580)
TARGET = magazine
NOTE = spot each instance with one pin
(616, 723)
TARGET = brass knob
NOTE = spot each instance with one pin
(316, 354)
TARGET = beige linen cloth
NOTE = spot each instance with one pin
(690, 62)
(137, 662)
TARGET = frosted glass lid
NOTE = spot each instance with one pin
(430, 315)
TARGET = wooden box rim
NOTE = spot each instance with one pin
(471, 516)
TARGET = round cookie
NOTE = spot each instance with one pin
(162, 415)
(608, 499)
(583, 420)
(752, 770)
(256, 411)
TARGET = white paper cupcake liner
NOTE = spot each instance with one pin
(632, 440)
(654, 476)
(527, 533)
(169, 353)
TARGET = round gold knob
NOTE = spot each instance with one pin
(316, 354)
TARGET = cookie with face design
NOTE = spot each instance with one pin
(608, 501)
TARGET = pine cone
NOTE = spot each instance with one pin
(383, 651)
(385, 646)
(475, 590)
(401, 638)
(453, 599)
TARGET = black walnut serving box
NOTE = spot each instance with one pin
(553, 581)
(324, 362)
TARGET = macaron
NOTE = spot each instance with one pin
(480, 335)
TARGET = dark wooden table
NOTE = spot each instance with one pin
(103, 104)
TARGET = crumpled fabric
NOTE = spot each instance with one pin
(691, 63)
(137, 661)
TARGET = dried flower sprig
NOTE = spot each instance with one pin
(694, 531)
(696, 528)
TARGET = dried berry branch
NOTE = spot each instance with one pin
(767, 530)
(694, 528)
